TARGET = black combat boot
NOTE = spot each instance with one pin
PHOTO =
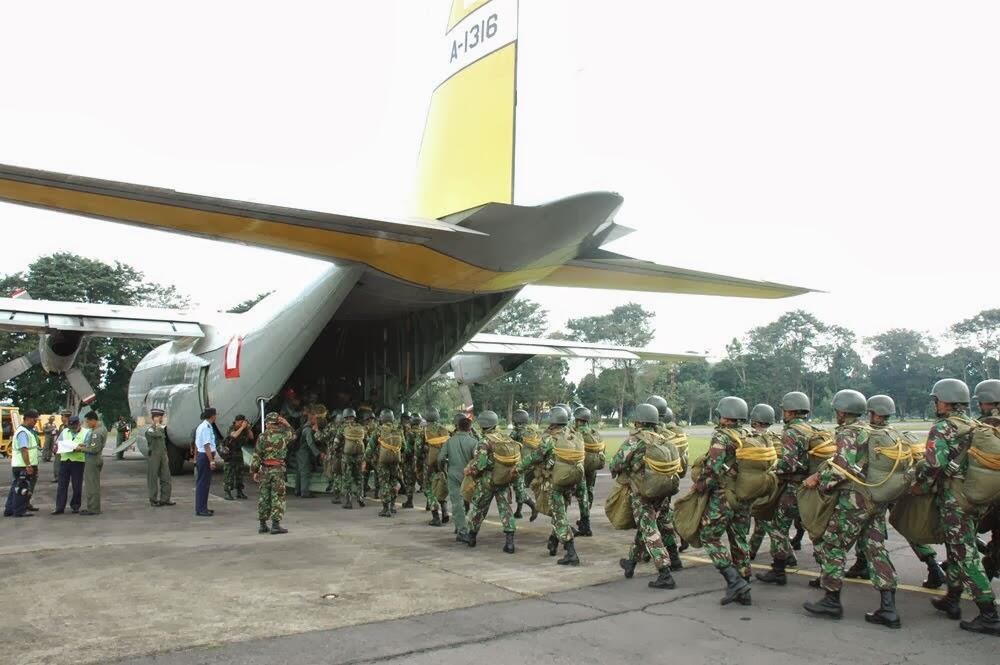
(675, 558)
(571, 559)
(409, 501)
(517, 512)
(553, 545)
(240, 494)
(628, 565)
(791, 561)
(858, 571)
(385, 510)
(534, 510)
(796, 540)
(276, 528)
(987, 623)
(445, 517)
(228, 495)
(683, 547)
(263, 527)
(435, 518)
(347, 502)
(935, 575)
(664, 580)
(427, 506)
(950, 603)
(583, 528)
(814, 583)
(776, 575)
(461, 537)
(829, 606)
(361, 501)
(736, 586)
(508, 545)
(329, 487)
(471, 539)
(886, 614)
(745, 599)
(392, 507)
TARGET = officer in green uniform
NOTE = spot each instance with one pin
(157, 463)
(93, 448)
(306, 453)
(268, 469)
(453, 458)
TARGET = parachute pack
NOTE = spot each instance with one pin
(354, 439)
(569, 455)
(593, 446)
(755, 459)
(982, 476)
(506, 457)
(435, 436)
(390, 444)
(532, 437)
(821, 444)
(888, 472)
(661, 476)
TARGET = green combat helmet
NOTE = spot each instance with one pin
(988, 392)
(667, 415)
(558, 416)
(348, 413)
(432, 415)
(850, 401)
(520, 417)
(582, 413)
(734, 408)
(386, 416)
(951, 391)
(882, 405)
(647, 414)
(762, 413)
(488, 419)
(795, 401)
(659, 403)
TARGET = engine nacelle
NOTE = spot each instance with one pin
(58, 351)
(470, 369)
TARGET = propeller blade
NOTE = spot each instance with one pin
(80, 385)
(18, 366)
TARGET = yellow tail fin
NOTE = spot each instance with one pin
(467, 153)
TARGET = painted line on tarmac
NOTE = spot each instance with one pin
(810, 573)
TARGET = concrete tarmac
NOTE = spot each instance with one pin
(144, 584)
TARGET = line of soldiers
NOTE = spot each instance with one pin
(859, 472)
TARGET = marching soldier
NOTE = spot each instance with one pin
(593, 462)
(761, 419)
(332, 452)
(528, 436)
(158, 478)
(268, 469)
(494, 468)
(385, 450)
(432, 439)
(351, 440)
(409, 459)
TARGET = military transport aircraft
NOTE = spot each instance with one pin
(400, 299)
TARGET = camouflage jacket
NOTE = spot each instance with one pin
(720, 460)
(793, 458)
(630, 456)
(329, 439)
(410, 434)
(542, 456)
(852, 454)
(944, 443)
(272, 444)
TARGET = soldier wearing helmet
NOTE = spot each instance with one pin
(331, 453)
(527, 434)
(494, 468)
(384, 453)
(268, 469)
(761, 420)
(855, 516)
(593, 462)
(721, 517)
(432, 438)
(950, 437)
(669, 424)
(409, 462)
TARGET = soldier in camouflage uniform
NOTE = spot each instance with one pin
(855, 516)
(481, 468)
(791, 468)
(387, 473)
(723, 517)
(668, 426)
(369, 479)
(761, 419)
(268, 469)
(527, 435)
(944, 459)
(409, 460)
(544, 458)
(352, 483)
(332, 454)
(648, 514)
(433, 436)
(585, 492)
(240, 435)
(988, 395)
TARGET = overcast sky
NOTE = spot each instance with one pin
(852, 147)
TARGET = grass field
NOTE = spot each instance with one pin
(697, 445)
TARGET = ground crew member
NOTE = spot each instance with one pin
(351, 438)
(945, 458)
(50, 432)
(791, 468)
(528, 436)
(23, 466)
(545, 457)
(720, 517)
(630, 462)
(93, 449)
(761, 419)
(71, 467)
(158, 462)
(240, 436)
(454, 456)
(495, 460)
(593, 462)
(56, 458)
(854, 517)
(305, 454)
(384, 450)
(432, 440)
(204, 461)
(268, 468)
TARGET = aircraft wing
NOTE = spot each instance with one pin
(49, 316)
(508, 345)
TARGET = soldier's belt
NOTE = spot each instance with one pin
(274, 462)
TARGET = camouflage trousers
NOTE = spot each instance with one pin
(584, 493)
(351, 467)
(521, 485)
(760, 529)
(428, 488)
(271, 501)
(785, 516)
(482, 497)
(854, 520)
(722, 519)
(558, 503)
(409, 476)
(964, 565)
(648, 536)
(233, 474)
(388, 482)
(333, 470)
